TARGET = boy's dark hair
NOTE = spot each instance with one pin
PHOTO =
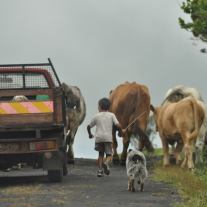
(104, 103)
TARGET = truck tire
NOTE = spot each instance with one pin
(65, 168)
(55, 175)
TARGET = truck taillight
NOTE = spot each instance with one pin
(48, 154)
(42, 145)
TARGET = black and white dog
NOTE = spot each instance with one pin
(136, 167)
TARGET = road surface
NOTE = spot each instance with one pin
(81, 187)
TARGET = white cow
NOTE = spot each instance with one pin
(75, 115)
(182, 92)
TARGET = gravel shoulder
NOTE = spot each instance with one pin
(81, 187)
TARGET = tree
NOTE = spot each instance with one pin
(198, 12)
(150, 131)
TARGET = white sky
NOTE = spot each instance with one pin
(99, 44)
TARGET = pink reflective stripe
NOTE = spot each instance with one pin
(30, 107)
(49, 104)
(7, 107)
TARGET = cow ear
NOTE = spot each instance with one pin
(152, 108)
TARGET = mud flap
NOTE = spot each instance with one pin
(55, 162)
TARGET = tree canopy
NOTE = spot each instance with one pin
(198, 12)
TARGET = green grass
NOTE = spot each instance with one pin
(191, 186)
(157, 152)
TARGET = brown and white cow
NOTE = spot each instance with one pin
(128, 101)
(75, 114)
(179, 122)
(181, 92)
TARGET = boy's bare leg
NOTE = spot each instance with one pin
(106, 164)
(108, 158)
(100, 160)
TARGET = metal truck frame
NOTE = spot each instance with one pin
(32, 131)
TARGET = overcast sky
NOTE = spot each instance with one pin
(98, 45)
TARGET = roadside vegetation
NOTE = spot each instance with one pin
(191, 186)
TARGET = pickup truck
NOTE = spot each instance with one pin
(32, 130)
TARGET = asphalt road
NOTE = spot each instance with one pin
(81, 187)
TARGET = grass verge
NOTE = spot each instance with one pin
(191, 186)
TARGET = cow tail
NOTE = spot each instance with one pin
(194, 134)
(145, 139)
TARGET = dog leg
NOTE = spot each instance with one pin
(141, 187)
(129, 184)
(141, 182)
(132, 185)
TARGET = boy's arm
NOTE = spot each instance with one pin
(89, 132)
(120, 134)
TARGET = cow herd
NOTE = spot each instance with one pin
(181, 120)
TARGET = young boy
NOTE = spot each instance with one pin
(104, 121)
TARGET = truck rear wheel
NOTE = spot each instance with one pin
(55, 175)
(65, 169)
(65, 165)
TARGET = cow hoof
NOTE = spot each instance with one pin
(133, 189)
(191, 169)
(71, 162)
(138, 181)
(179, 162)
(116, 160)
(141, 189)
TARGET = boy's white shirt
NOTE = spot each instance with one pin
(104, 124)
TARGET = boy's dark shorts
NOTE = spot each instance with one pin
(106, 147)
